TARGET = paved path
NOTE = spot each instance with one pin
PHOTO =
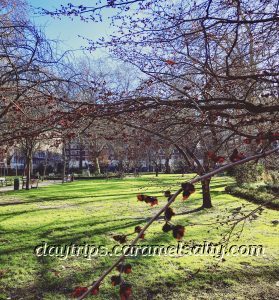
(41, 183)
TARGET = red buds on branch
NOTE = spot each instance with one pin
(178, 230)
(148, 199)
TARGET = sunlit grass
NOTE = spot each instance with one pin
(92, 211)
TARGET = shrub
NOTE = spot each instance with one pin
(274, 177)
(271, 177)
(248, 173)
(257, 195)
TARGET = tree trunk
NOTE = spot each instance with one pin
(80, 159)
(206, 194)
(64, 163)
(45, 165)
(156, 171)
(28, 171)
(97, 166)
(167, 165)
(121, 169)
(136, 172)
(183, 172)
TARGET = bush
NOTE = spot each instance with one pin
(274, 177)
(257, 195)
(248, 173)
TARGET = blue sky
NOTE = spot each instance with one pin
(66, 30)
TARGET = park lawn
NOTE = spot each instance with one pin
(92, 211)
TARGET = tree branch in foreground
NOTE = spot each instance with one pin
(96, 283)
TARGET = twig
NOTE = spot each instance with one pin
(172, 199)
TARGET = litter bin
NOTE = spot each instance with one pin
(16, 184)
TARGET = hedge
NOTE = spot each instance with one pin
(256, 195)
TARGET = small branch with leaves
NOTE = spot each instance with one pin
(178, 230)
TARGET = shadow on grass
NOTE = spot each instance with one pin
(69, 238)
(206, 281)
(68, 198)
(212, 283)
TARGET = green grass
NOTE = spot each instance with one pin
(92, 211)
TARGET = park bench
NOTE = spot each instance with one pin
(34, 182)
(9, 181)
(6, 181)
(68, 178)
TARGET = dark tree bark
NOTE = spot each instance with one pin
(167, 165)
(156, 171)
(28, 170)
(206, 194)
(97, 165)
(64, 163)
(28, 146)
(45, 165)
(121, 169)
(80, 158)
